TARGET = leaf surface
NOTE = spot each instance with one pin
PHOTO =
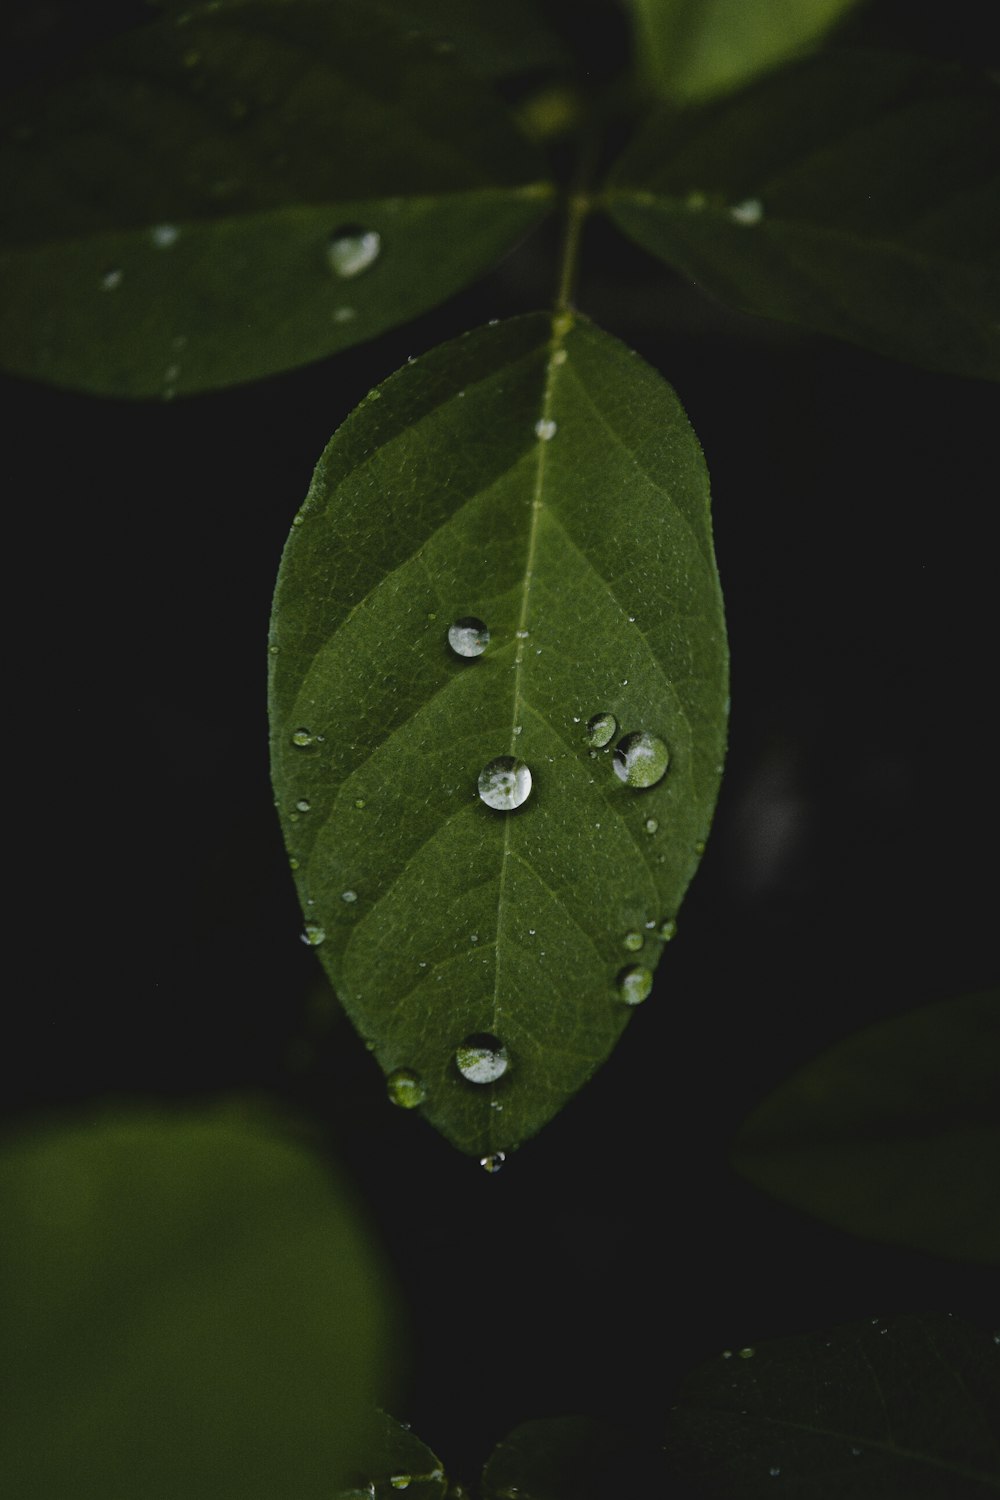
(398, 1461)
(178, 213)
(695, 49)
(893, 1133)
(557, 1458)
(190, 1308)
(587, 553)
(854, 194)
(904, 1406)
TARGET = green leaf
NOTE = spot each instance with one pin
(893, 1133)
(190, 1308)
(694, 49)
(399, 1461)
(858, 195)
(545, 481)
(557, 1458)
(238, 190)
(904, 1407)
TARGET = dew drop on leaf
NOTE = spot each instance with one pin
(399, 1481)
(640, 759)
(468, 636)
(405, 1088)
(303, 805)
(634, 984)
(313, 935)
(352, 249)
(749, 212)
(494, 1162)
(302, 738)
(651, 825)
(164, 235)
(601, 730)
(112, 280)
(482, 1058)
(545, 429)
(634, 941)
(667, 930)
(505, 783)
(349, 896)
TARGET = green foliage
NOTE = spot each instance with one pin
(190, 1308)
(397, 1460)
(874, 217)
(893, 1133)
(542, 479)
(560, 1458)
(695, 49)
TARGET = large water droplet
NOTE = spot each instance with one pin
(313, 935)
(405, 1088)
(601, 730)
(640, 759)
(505, 783)
(352, 249)
(468, 636)
(494, 1162)
(545, 429)
(634, 984)
(634, 941)
(302, 737)
(482, 1058)
(399, 1481)
(747, 1353)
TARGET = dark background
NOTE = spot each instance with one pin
(850, 874)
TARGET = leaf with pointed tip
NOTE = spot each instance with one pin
(893, 1133)
(238, 190)
(190, 1308)
(398, 1461)
(543, 480)
(558, 1458)
(695, 51)
(854, 194)
(900, 1407)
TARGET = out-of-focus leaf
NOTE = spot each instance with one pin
(855, 194)
(237, 190)
(893, 1133)
(399, 1461)
(877, 1410)
(557, 1458)
(190, 1308)
(695, 49)
(541, 479)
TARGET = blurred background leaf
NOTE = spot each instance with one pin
(893, 1133)
(558, 1458)
(191, 1306)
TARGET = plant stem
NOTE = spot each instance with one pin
(578, 206)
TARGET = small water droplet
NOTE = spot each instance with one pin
(747, 1353)
(473, 937)
(351, 249)
(640, 759)
(545, 429)
(668, 930)
(303, 805)
(750, 211)
(399, 1481)
(522, 635)
(631, 619)
(482, 1058)
(727, 1353)
(774, 1471)
(293, 863)
(559, 357)
(505, 783)
(112, 280)
(468, 636)
(634, 984)
(856, 1452)
(405, 1088)
(699, 847)
(695, 200)
(494, 1162)
(349, 896)
(634, 941)
(344, 314)
(303, 737)
(164, 235)
(601, 730)
(651, 825)
(313, 935)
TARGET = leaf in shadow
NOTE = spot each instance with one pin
(398, 1461)
(893, 1133)
(559, 1458)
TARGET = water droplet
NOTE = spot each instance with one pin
(302, 737)
(634, 941)
(634, 984)
(699, 847)
(774, 1471)
(164, 235)
(727, 1353)
(293, 863)
(359, 803)
(273, 650)
(399, 1481)
(313, 935)
(303, 805)
(352, 249)
(640, 759)
(856, 1452)
(522, 635)
(601, 730)
(545, 429)
(559, 357)
(482, 1058)
(112, 280)
(474, 937)
(468, 636)
(344, 314)
(747, 1353)
(348, 896)
(405, 1088)
(750, 211)
(668, 930)
(651, 825)
(505, 783)
(493, 1163)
